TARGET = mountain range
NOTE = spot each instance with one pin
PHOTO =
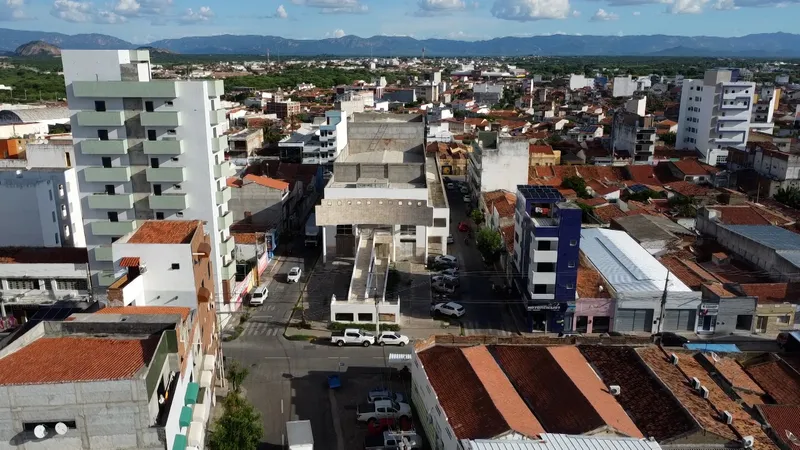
(753, 45)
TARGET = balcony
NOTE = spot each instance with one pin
(165, 175)
(229, 271)
(544, 256)
(103, 253)
(217, 116)
(735, 105)
(225, 221)
(215, 88)
(106, 228)
(106, 278)
(164, 147)
(227, 246)
(106, 201)
(169, 119)
(98, 147)
(168, 201)
(107, 174)
(100, 118)
(543, 278)
(123, 89)
(223, 170)
(224, 196)
(219, 144)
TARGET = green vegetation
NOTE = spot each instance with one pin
(30, 85)
(789, 196)
(577, 184)
(644, 196)
(683, 206)
(340, 326)
(588, 213)
(477, 216)
(489, 243)
(239, 427)
(669, 138)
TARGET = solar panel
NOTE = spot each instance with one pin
(544, 194)
(636, 188)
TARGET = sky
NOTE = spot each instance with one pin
(143, 21)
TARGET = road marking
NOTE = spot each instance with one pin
(377, 357)
(281, 406)
(338, 357)
(276, 357)
(271, 308)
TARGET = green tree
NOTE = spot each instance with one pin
(789, 196)
(477, 216)
(644, 196)
(588, 213)
(554, 139)
(236, 376)
(272, 135)
(669, 138)
(489, 244)
(577, 184)
(239, 427)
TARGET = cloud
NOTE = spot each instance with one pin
(439, 7)
(12, 10)
(603, 16)
(281, 13)
(204, 14)
(637, 13)
(336, 34)
(73, 11)
(334, 6)
(687, 6)
(576, 13)
(530, 10)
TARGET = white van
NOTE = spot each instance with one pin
(258, 296)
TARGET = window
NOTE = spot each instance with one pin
(175, 266)
(54, 216)
(56, 238)
(23, 284)
(365, 317)
(544, 245)
(408, 230)
(440, 223)
(782, 320)
(148, 106)
(545, 267)
(168, 103)
(540, 289)
(573, 242)
(744, 322)
(106, 161)
(159, 216)
(344, 229)
(151, 135)
(156, 189)
(571, 264)
(516, 237)
(77, 284)
(113, 216)
(102, 135)
(154, 163)
(99, 105)
(110, 190)
(570, 285)
(343, 317)
(50, 193)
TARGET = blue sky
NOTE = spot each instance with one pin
(142, 21)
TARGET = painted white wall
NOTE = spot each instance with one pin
(160, 284)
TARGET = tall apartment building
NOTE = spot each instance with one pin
(547, 234)
(319, 142)
(146, 149)
(715, 114)
(764, 108)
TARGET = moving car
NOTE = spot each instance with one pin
(450, 309)
(450, 239)
(294, 275)
(669, 339)
(259, 295)
(352, 336)
(463, 227)
(380, 394)
(382, 409)
(391, 338)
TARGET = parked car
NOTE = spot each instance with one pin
(294, 275)
(443, 287)
(391, 338)
(381, 410)
(352, 336)
(451, 186)
(452, 272)
(670, 339)
(450, 309)
(463, 227)
(445, 279)
(380, 394)
(446, 259)
(391, 440)
(466, 199)
(464, 190)
(259, 295)
(450, 239)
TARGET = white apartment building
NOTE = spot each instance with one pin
(579, 82)
(146, 149)
(319, 143)
(764, 109)
(497, 162)
(715, 114)
(41, 201)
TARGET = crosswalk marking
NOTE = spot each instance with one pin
(261, 329)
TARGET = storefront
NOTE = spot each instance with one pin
(593, 315)
(547, 317)
(722, 312)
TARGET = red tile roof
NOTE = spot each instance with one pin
(503, 394)
(594, 201)
(43, 255)
(642, 174)
(267, 182)
(692, 167)
(688, 189)
(558, 403)
(585, 379)
(540, 149)
(605, 213)
(507, 233)
(590, 281)
(778, 380)
(469, 408)
(130, 261)
(146, 310)
(75, 359)
(602, 188)
(651, 406)
(244, 238)
(734, 374)
(783, 419)
(689, 272)
(748, 215)
(165, 232)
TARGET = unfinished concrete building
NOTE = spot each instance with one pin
(384, 203)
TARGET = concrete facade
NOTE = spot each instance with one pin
(497, 162)
(635, 135)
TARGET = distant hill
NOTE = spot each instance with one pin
(156, 50)
(37, 48)
(753, 45)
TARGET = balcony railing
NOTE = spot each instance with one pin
(163, 147)
(217, 116)
(107, 174)
(225, 221)
(107, 228)
(223, 196)
(109, 147)
(165, 174)
(160, 119)
(168, 201)
(123, 89)
(100, 118)
(106, 201)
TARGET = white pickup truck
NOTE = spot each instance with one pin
(383, 409)
(352, 336)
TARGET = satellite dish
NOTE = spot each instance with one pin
(715, 357)
(40, 431)
(792, 438)
(61, 428)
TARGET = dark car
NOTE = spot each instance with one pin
(669, 339)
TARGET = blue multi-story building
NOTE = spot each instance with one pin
(547, 234)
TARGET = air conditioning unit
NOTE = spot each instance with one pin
(673, 358)
(142, 269)
(727, 417)
(748, 441)
(615, 390)
(695, 383)
(704, 391)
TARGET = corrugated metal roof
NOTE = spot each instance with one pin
(34, 114)
(625, 264)
(563, 442)
(770, 236)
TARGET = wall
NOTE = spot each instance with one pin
(23, 129)
(505, 168)
(265, 205)
(727, 312)
(402, 136)
(591, 307)
(772, 312)
(161, 284)
(43, 272)
(429, 411)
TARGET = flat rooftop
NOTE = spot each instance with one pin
(386, 157)
(43, 255)
(163, 232)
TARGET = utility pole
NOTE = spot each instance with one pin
(663, 304)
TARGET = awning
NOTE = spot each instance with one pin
(191, 393)
(197, 433)
(129, 261)
(717, 348)
(186, 416)
(179, 443)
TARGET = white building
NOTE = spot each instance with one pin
(764, 109)
(715, 114)
(624, 86)
(146, 149)
(41, 200)
(487, 94)
(579, 82)
(497, 162)
(320, 142)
